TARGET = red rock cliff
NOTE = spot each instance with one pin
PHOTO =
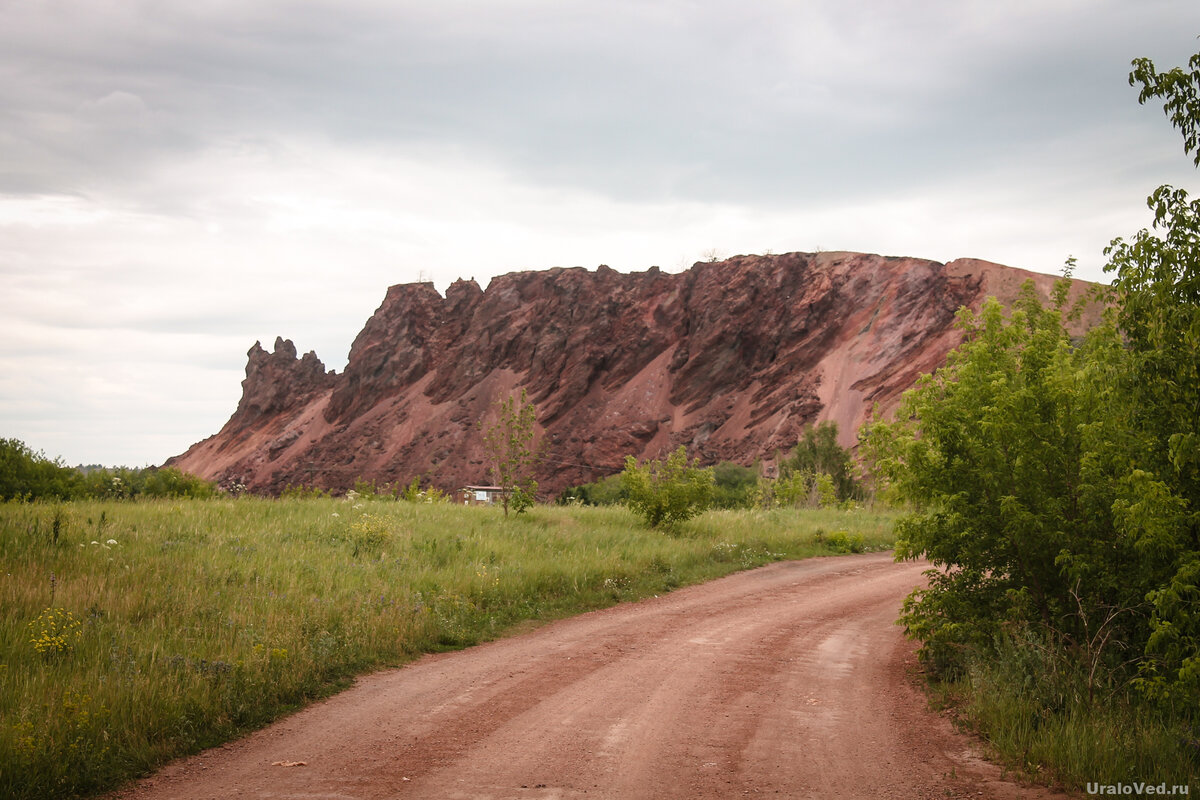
(731, 359)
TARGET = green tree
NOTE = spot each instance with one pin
(509, 442)
(1057, 485)
(26, 474)
(1179, 89)
(733, 485)
(667, 492)
(818, 453)
(989, 452)
(793, 488)
(607, 491)
(1157, 292)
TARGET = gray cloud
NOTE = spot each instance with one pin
(744, 100)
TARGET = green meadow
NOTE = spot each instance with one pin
(132, 633)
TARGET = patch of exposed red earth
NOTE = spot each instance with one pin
(789, 681)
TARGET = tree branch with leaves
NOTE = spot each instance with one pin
(509, 442)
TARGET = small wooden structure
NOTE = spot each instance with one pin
(480, 495)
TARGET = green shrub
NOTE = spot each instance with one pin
(172, 482)
(734, 485)
(25, 474)
(523, 496)
(667, 492)
(608, 491)
(302, 492)
(413, 493)
(828, 466)
(844, 542)
(1055, 487)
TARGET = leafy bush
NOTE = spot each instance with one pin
(989, 452)
(845, 542)
(608, 491)
(172, 482)
(798, 489)
(26, 475)
(524, 496)
(1055, 483)
(413, 493)
(667, 492)
(819, 457)
(302, 492)
(734, 485)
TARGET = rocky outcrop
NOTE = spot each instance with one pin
(731, 359)
(278, 383)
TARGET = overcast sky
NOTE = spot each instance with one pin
(178, 180)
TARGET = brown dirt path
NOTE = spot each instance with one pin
(786, 681)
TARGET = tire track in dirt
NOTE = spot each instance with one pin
(790, 681)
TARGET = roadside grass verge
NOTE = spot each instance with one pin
(134, 633)
(1044, 719)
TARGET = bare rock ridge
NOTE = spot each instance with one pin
(278, 382)
(731, 359)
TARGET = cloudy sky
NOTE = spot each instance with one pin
(178, 180)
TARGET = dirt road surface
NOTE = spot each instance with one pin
(786, 681)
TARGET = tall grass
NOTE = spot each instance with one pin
(1046, 717)
(132, 633)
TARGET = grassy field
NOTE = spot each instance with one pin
(132, 633)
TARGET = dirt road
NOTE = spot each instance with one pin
(786, 681)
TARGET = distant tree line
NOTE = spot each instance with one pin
(29, 475)
(818, 473)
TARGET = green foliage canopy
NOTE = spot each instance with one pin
(509, 444)
(1058, 484)
(667, 492)
(993, 452)
(29, 475)
(24, 473)
(733, 485)
(818, 453)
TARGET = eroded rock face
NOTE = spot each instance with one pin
(731, 359)
(278, 383)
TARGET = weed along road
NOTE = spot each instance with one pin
(791, 680)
